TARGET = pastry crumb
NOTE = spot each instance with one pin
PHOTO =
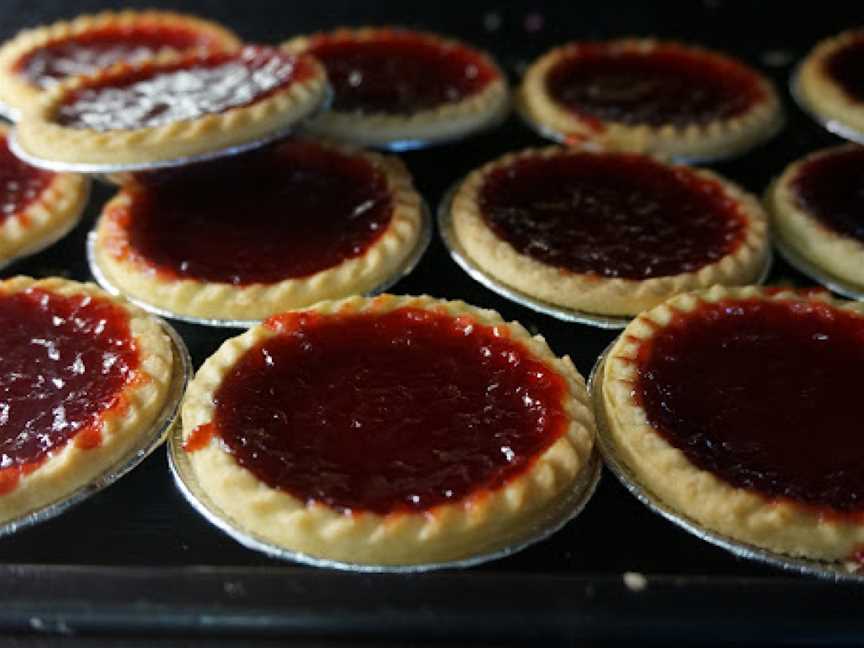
(635, 581)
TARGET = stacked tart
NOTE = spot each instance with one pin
(401, 88)
(818, 210)
(83, 377)
(650, 96)
(36, 206)
(831, 82)
(40, 58)
(387, 430)
(738, 408)
(249, 236)
(607, 233)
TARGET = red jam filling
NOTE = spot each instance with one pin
(65, 362)
(611, 215)
(285, 212)
(396, 412)
(100, 48)
(764, 395)
(400, 72)
(846, 67)
(20, 183)
(831, 188)
(155, 95)
(669, 85)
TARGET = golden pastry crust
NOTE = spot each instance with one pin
(474, 525)
(70, 467)
(137, 278)
(53, 213)
(21, 95)
(778, 525)
(820, 93)
(841, 256)
(446, 122)
(39, 134)
(591, 293)
(720, 138)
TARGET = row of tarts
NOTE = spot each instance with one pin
(396, 430)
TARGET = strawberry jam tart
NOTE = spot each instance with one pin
(388, 431)
(738, 408)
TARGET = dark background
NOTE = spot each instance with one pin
(567, 587)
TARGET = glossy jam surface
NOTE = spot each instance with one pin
(20, 183)
(164, 94)
(612, 215)
(846, 67)
(100, 48)
(285, 212)
(831, 188)
(396, 412)
(65, 362)
(399, 72)
(765, 395)
(669, 85)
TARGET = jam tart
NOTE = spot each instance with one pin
(173, 106)
(82, 377)
(40, 58)
(36, 206)
(739, 409)
(830, 81)
(607, 233)
(817, 206)
(391, 430)
(252, 235)
(399, 86)
(650, 96)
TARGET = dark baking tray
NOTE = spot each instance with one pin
(137, 559)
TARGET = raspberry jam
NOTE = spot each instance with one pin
(391, 412)
(159, 94)
(763, 394)
(285, 212)
(667, 85)
(831, 188)
(65, 362)
(97, 49)
(20, 183)
(611, 215)
(400, 72)
(846, 67)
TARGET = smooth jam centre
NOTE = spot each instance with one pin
(20, 183)
(285, 212)
(400, 73)
(765, 396)
(386, 413)
(846, 66)
(65, 362)
(831, 187)
(666, 86)
(613, 215)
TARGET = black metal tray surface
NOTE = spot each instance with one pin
(138, 559)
